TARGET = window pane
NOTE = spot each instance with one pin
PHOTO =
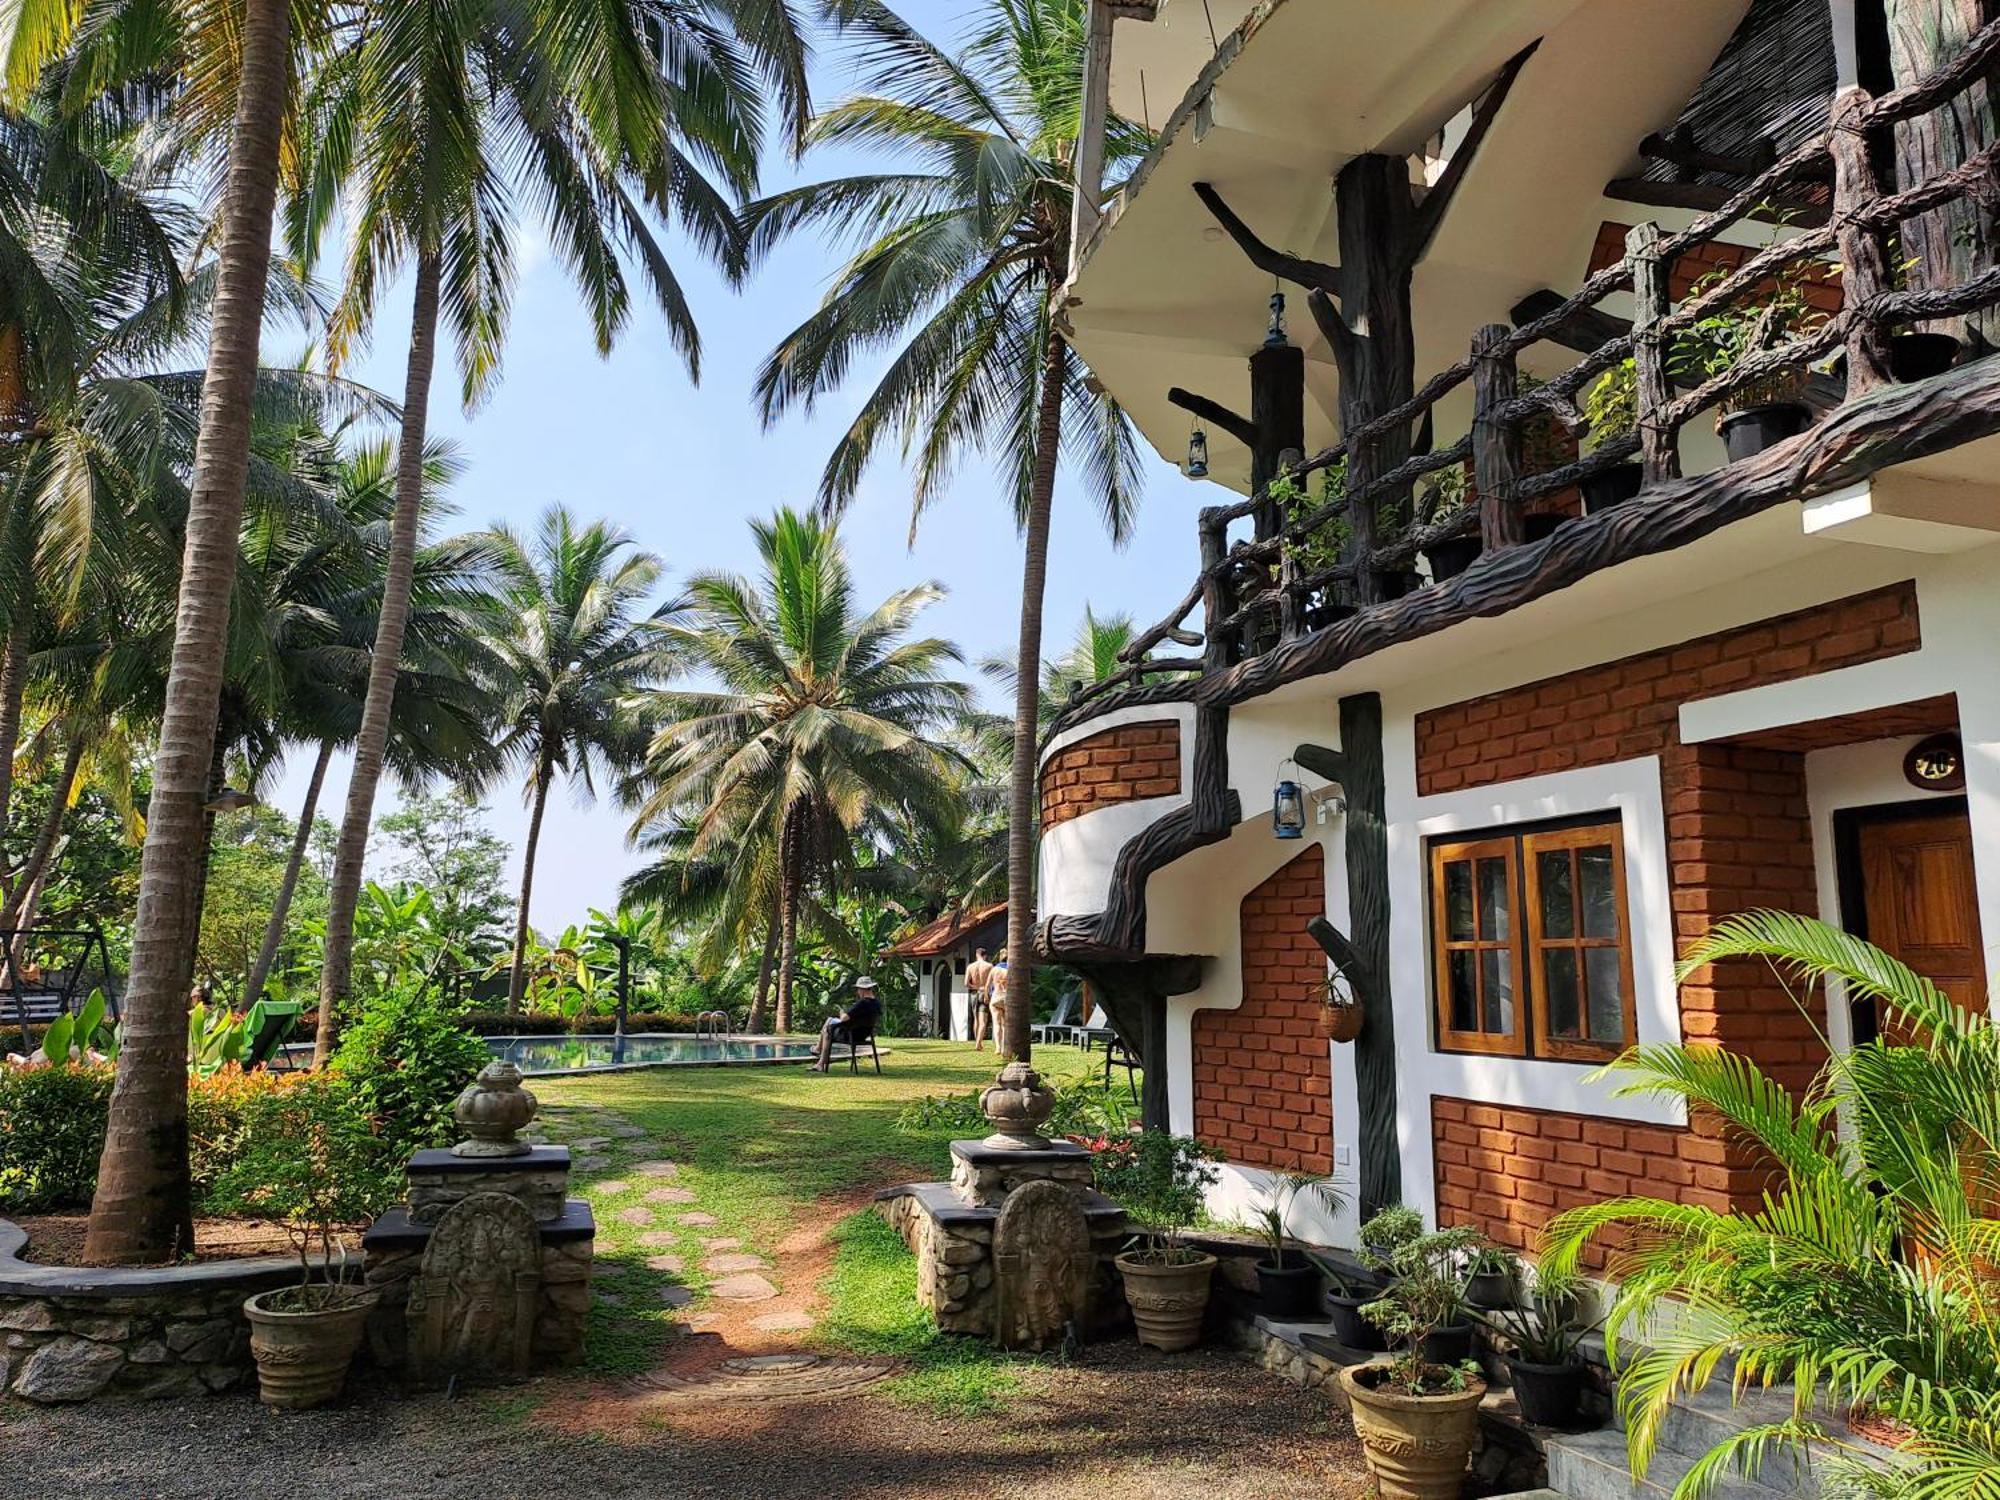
(1495, 907)
(1458, 901)
(1559, 988)
(1600, 894)
(1496, 982)
(1464, 998)
(1558, 893)
(1607, 995)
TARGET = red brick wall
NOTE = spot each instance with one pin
(1263, 1080)
(1118, 765)
(1822, 289)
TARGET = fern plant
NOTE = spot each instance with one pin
(1869, 1272)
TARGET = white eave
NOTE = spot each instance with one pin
(1302, 87)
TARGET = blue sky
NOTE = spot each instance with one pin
(683, 468)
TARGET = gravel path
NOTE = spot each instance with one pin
(1124, 1424)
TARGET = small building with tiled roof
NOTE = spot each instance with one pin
(942, 951)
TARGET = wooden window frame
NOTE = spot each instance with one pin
(1588, 836)
(1497, 1044)
(1527, 942)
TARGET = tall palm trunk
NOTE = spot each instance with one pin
(141, 1208)
(274, 929)
(517, 976)
(45, 838)
(13, 685)
(791, 886)
(1027, 708)
(216, 781)
(336, 976)
(760, 1007)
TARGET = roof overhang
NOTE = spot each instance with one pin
(1164, 298)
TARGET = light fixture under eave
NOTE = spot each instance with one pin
(229, 800)
(1197, 459)
(1276, 337)
(1288, 805)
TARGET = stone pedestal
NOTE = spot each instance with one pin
(538, 1177)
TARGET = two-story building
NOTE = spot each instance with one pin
(1676, 680)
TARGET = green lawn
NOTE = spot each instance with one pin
(764, 1150)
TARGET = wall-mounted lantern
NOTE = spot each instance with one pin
(1288, 804)
(1197, 463)
(1276, 337)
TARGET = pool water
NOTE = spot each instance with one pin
(573, 1054)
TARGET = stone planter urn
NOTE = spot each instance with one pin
(1017, 1106)
(1416, 1446)
(492, 1109)
(303, 1354)
(1168, 1298)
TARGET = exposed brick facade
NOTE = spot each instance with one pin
(1263, 1080)
(1739, 836)
(1822, 290)
(1118, 765)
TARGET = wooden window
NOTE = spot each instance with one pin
(1473, 888)
(1532, 943)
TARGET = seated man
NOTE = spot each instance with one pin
(856, 1022)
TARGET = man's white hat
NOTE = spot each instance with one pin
(864, 983)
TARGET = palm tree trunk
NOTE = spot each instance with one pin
(336, 976)
(761, 1005)
(1027, 709)
(274, 930)
(13, 685)
(141, 1208)
(791, 882)
(216, 781)
(517, 976)
(45, 837)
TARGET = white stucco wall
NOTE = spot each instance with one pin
(1076, 857)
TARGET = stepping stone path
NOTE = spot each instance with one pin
(657, 1169)
(782, 1322)
(591, 1142)
(722, 1244)
(628, 1132)
(614, 1186)
(749, 1287)
(676, 1296)
(728, 1265)
(670, 1195)
(591, 1163)
(671, 1264)
(698, 1221)
(659, 1239)
(635, 1215)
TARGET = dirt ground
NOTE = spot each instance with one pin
(57, 1239)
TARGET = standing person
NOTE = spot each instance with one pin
(996, 1002)
(858, 1021)
(977, 979)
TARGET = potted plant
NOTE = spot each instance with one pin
(1287, 1282)
(1445, 494)
(1545, 1336)
(1430, 1273)
(313, 1165)
(1768, 409)
(1494, 1278)
(1354, 1289)
(1160, 1183)
(1611, 407)
(1418, 1415)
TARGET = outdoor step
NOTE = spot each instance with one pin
(1533, 1495)
(1696, 1423)
(1593, 1466)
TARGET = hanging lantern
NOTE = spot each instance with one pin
(1197, 463)
(1288, 805)
(1276, 337)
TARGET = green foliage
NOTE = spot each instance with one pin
(407, 1058)
(245, 873)
(1427, 1293)
(1269, 1223)
(1716, 343)
(1442, 494)
(441, 845)
(1085, 1111)
(1867, 1273)
(1326, 546)
(1161, 1181)
(1611, 405)
(215, 1036)
(51, 1131)
(81, 1034)
(1550, 1326)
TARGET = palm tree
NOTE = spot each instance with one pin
(820, 717)
(727, 894)
(1866, 1275)
(963, 250)
(566, 650)
(433, 124)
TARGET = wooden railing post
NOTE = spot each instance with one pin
(1652, 293)
(1864, 264)
(1214, 591)
(1496, 446)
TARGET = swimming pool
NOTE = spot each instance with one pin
(592, 1054)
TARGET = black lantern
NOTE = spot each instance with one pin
(1276, 337)
(1288, 805)
(1197, 464)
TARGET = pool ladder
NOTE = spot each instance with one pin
(720, 1018)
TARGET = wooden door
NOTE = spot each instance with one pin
(1919, 899)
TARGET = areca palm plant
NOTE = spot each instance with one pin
(568, 646)
(820, 715)
(424, 133)
(958, 249)
(1868, 1275)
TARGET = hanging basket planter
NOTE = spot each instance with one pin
(1340, 1014)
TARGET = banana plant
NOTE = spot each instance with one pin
(83, 1033)
(216, 1037)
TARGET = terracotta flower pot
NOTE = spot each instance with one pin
(302, 1357)
(1167, 1301)
(1340, 1023)
(1416, 1446)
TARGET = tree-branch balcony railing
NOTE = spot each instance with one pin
(1258, 594)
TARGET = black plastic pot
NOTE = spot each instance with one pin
(1749, 432)
(1609, 487)
(1449, 1345)
(1452, 557)
(1490, 1289)
(1349, 1327)
(1918, 356)
(1542, 526)
(1289, 1292)
(1548, 1395)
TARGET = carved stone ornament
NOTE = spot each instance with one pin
(1042, 1266)
(493, 1107)
(1017, 1107)
(473, 1306)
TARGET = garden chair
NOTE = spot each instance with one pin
(268, 1024)
(1058, 1025)
(855, 1042)
(1117, 1054)
(1096, 1029)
